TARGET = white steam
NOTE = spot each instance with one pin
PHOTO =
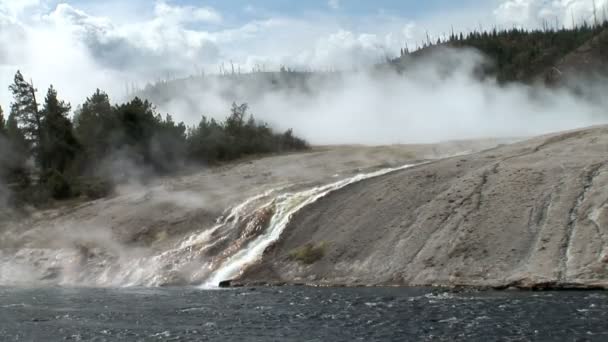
(437, 99)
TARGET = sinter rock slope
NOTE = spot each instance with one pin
(532, 214)
(165, 231)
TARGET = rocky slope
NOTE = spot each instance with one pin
(588, 62)
(532, 214)
(166, 232)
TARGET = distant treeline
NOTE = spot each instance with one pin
(518, 54)
(46, 155)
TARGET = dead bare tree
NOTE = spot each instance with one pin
(595, 23)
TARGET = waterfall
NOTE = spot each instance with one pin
(283, 207)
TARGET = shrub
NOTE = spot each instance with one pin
(97, 188)
(57, 185)
(36, 195)
(213, 141)
(309, 253)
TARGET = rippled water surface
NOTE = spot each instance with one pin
(300, 314)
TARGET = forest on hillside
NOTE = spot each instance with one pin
(517, 54)
(47, 154)
(514, 55)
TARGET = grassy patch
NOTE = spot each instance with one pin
(309, 253)
(96, 188)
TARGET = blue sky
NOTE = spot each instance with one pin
(242, 10)
(346, 7)
(349, 7)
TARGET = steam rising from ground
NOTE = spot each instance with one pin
(177, 231)
(437, 99)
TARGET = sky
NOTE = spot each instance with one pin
(81, 45)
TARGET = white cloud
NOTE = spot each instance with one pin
(346, 50)
(80, 50)
(537, 13)
(185, 14)
(17, 7)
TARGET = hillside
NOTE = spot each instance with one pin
(518, 55)
(514, 55)
(162, 232)
(587, 61)
(532, 215)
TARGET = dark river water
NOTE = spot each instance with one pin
(300, 314)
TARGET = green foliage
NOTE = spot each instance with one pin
(309, 253)
(57, 184)
(32, 194)
(14, 151)
(146, 137)
(2, 122)
(15, 134)
(518, 54)
(133, 129)
(58, 145)
(25, 109)
(79, 157)
(168, 145)
(211, 141)
(290, 142)
(95, 188)
(94, 124)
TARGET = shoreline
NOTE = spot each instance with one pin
(455, 288)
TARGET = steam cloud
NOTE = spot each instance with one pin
(437, 99)
(60, 41)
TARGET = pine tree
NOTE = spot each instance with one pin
(95, 125)
(25, 109)
(16, 137)
(58, 146)
(2, 122)
(5, 150)
(15, 168)
(236, 120)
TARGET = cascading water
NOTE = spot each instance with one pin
(240, 237)
(205, 258)
(283, 206)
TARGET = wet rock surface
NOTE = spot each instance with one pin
(530, 215)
